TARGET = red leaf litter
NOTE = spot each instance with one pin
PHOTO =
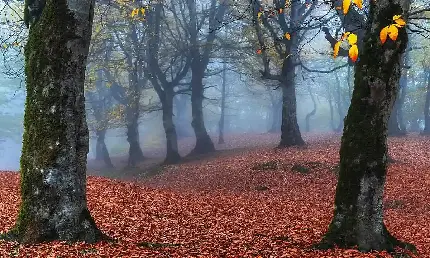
(228, 206)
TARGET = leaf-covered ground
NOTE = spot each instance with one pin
(263, 202)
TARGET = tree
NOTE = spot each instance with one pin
(200, 53)
(358, 215)
(55, 142)
(177, 69)
(293, 29)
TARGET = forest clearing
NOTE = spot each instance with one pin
(261, 202)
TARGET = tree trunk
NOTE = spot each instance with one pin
(426, 130)
(290, 132)
(204, 143)
(55, 141)
(223, 96)
(102, 152)
(135, 153)
(172, 154)
(312, 113)
(358, 216)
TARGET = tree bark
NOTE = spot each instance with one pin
(135, 153)
(102, 152)
(290, 132)
(204, 143)
(55, 141)
(358, 216)
(172, 154)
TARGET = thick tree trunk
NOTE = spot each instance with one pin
(204, 143)
(290, 132)
(55, 141)
(358, 216)
(426, 130)
(172, 154)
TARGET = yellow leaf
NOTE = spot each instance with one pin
(345, 6)
(395, 17)
(383, 34)
(287, 36)
(4, 45)
(353, 53)
(359, 3)
(259, 14)
(393, 32)
(336, 49)
(352, 39)
(400, 22)
(142, 10)
(134, 12)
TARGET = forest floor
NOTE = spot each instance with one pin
(249, 202)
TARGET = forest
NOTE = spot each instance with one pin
(214, 128)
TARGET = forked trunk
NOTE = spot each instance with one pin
(55, 141)
(359, 215)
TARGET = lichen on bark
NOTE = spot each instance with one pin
(55, 141)
(358, 214)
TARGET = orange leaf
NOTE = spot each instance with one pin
(287, 36)
(336, 49)
(359, 3)
(400, 22)
(345, 6)
(258, 51)
(383, 34)
(393, 32)
(353, 53)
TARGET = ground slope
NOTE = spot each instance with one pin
(263, 202)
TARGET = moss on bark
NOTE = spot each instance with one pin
(358, 214)
(55, 141)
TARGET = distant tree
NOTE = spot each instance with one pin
(55, 144)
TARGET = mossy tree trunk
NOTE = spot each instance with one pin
(55, 144)
(358, 216)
